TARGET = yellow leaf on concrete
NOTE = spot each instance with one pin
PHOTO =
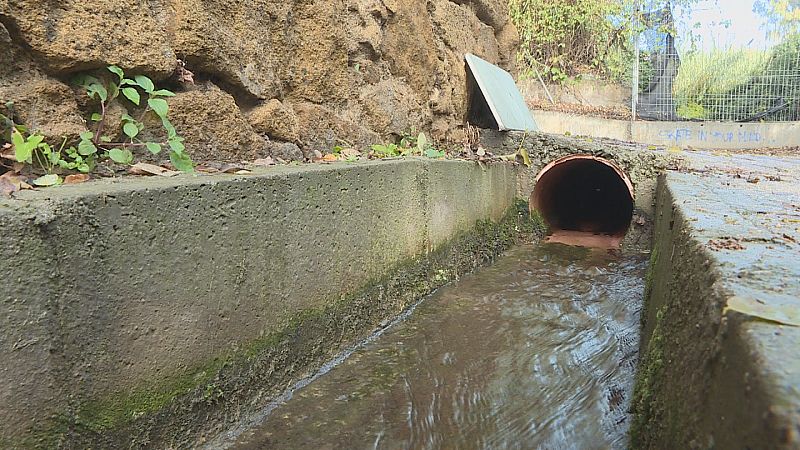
(783, 313)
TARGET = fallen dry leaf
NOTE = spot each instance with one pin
(183, 74)
(330, 157)
(233, 168)
(206, 169)
(726, 244)
(11, 182)
(76, 178)
(151, 169)
(264, 162)
(774, 311)
(7, 187)
(348, 153)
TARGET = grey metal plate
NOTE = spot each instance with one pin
(502, 95)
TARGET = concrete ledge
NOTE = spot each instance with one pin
(697, 135)
(707, 378)
(158, 310)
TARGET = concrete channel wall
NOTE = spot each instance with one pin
(697, 135)
(711, 377)
(156, 310)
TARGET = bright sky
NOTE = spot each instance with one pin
(744, 29)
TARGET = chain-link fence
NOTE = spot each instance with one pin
(678, 81)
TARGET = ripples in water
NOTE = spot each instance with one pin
(536, 351)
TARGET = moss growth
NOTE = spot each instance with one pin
(311, 337)
(98, 416)
(643, 405)
(649, 279)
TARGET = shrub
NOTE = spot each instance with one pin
(564, 38)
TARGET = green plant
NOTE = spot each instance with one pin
(410, 145)
(32, 149)
(386, 150)
(738, 84)
(562, 38)
(141, 92)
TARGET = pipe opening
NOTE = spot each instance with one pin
(581, 196)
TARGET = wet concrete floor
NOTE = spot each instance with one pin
(537, 351)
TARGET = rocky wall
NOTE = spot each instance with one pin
(280, 78)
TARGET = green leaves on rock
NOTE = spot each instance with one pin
(116, 70)
(130, 129)
(153, 147)
(433, 153)
(99, 143)
(23, 148)
(145, 83)
(97, 89)
(120, 156)
(181, 161)
(132, 95)
(159, 106)
(177, 146)
(86, 147)
(47, 180)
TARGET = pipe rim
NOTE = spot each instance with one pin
(606, 162)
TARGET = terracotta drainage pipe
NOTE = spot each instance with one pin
(585, 200)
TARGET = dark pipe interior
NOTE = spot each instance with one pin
(584, 195)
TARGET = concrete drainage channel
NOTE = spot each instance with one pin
(161, 312)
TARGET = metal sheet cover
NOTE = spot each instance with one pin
(502, 95)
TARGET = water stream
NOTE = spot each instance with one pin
(536, 351)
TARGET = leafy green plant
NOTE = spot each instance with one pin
(561, 39)
(99, 143)
(32, 149)
(410, 145)
(141, 92)
(386, 150)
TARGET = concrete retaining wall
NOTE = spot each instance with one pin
(121, 298)
(698, 135)
(710, 378)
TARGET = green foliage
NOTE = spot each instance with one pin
(411, 144)
(33, 150)
(737, 84)
(783, 15)
(97, 144)
(386, 150)
(562, 38)
(692, 110)
(140, 90)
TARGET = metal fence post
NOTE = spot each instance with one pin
(636, 55)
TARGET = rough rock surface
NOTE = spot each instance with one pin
(212, 124)
(353, 70)
(276, 120)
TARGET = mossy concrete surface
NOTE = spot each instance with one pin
(162, 310)
(711, 377)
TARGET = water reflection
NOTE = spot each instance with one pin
(537, 350)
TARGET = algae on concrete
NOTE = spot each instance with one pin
(710, 378)
(169, 308)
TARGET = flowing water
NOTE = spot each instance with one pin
(535, 351)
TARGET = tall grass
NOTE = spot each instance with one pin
(736, 84)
